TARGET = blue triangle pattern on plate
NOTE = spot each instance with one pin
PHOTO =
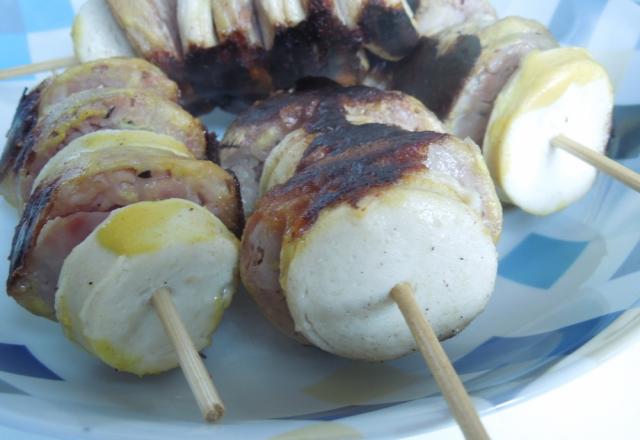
(17, 359)
(6, 388)
(631, 263)
(539, 261)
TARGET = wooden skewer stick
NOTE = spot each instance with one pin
(44, 66)
(446, 377)
(598, 160)
(192, 366)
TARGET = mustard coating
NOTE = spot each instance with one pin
(149, 226)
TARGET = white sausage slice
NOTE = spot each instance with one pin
(107, 281)
(559, 91)
(96, 34)
(337, 279)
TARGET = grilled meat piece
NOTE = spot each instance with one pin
(375, 177)
(251, 137)
(94, 110)
(459, 73)
(71, 200)
(102, 74)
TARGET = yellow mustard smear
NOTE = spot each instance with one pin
(149, 226)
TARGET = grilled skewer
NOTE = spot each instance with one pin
(126, 231)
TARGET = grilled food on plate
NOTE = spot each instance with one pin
(82, 185)
(358, 208)
(119, 203)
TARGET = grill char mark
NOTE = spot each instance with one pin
(238, 70)
(435, 79)
(319, 46)
(24, 120)
(388, 29)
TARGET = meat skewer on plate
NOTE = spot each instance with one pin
(365, 209)
(126, 253)
(358, 192)
(92, 176)
(139, 214)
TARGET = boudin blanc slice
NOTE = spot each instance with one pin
(559, 91)
(107, 281)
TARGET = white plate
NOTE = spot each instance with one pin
(565, 299)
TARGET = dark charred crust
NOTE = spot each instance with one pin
(311, 104)
(389, 29)
(24, 238)
(437, 80)
(269, 109)
(234, 188)
(314, 83)
(319, 46)
(336, 140)
(237, 71)
(347, 171)
(24, 119)
(212, 151)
